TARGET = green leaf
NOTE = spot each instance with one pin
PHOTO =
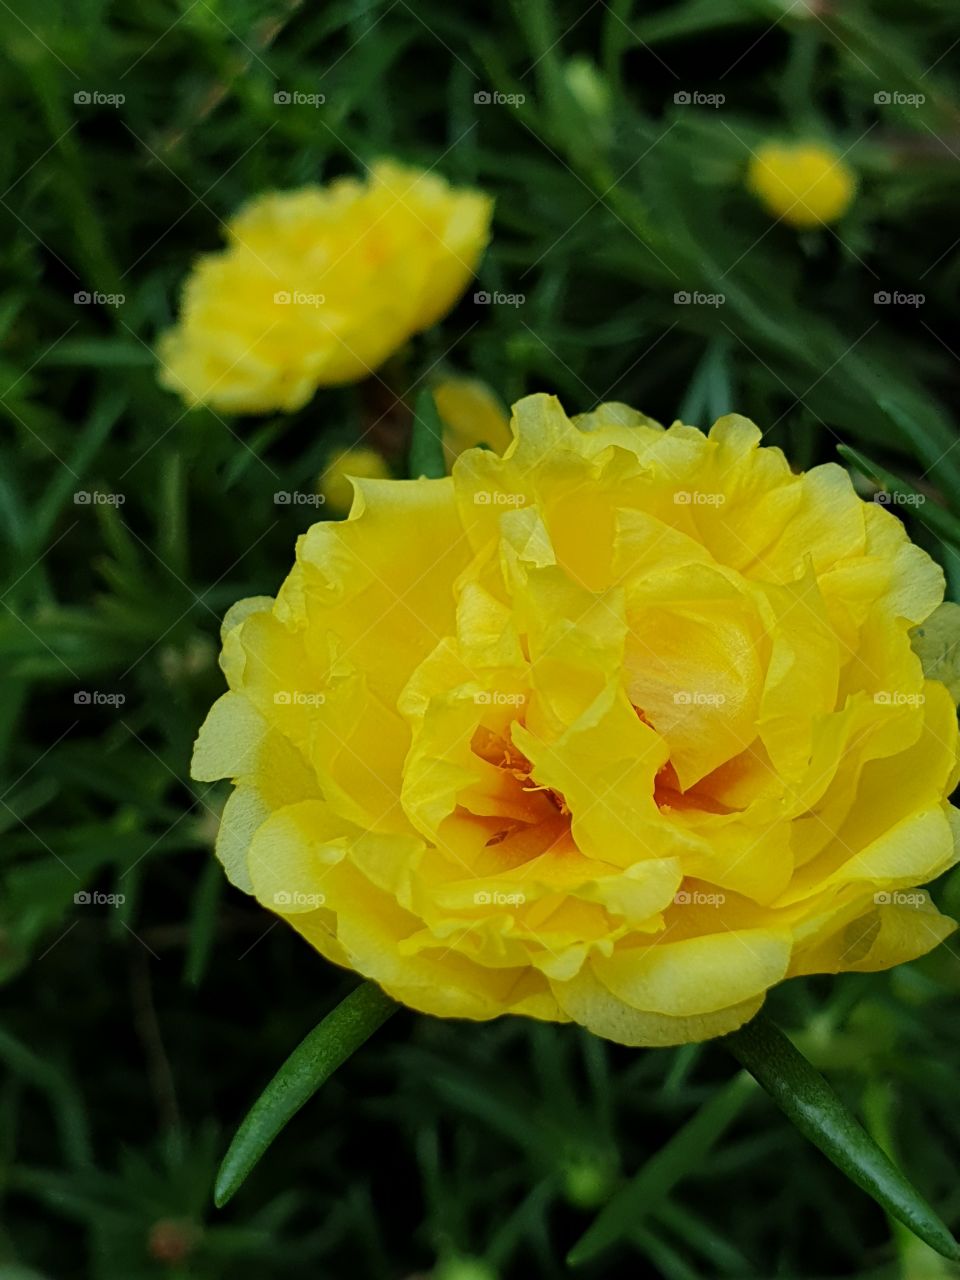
(936, 642)
(203, 922)
(704, 1240)
(328, 1046)
(709, 395)
(64, 1099)
(934, 517)
(930, 447)
(102, 353)
(426, 447)
(916, 1258)
(649, 1188)
(811, 1104)
(69, 478)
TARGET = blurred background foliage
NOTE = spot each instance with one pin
(133, 1036)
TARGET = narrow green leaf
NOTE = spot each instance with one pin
(68, 479)
(13, 523)
(328, 1046)
(916, 1258)
(709, 395)
(173, 534)
(65, 1101)
(102, 353)
(811, 1104)
(426, 447)
(667, 1260)
(933, 516)
(932, 447)
(203, 923)
(649, 1188)
(702, 1239)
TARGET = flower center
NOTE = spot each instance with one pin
(668, 794)
(498, 750)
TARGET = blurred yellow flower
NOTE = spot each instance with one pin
(624, 727)
(334, 484)
(805, 184)
(319, 286)
(471, 415)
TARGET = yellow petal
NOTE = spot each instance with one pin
(586, 1000)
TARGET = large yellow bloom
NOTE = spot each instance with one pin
(319, 286)
(623, 727)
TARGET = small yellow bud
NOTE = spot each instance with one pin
(471, 415)
(334, 483)
(805, 184)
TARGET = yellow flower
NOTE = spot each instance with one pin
(335, 483)
(471, 415)
(319, 286)
(806, 184)
(624, 727)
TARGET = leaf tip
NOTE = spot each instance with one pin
(221, 1196)
(226, 1183)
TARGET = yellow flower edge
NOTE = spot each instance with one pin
(623, 727)
(805, 184)
(318, 286)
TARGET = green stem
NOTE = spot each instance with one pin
(810, 1103)
(327, 1047)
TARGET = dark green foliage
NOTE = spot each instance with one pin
(135, 1035)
